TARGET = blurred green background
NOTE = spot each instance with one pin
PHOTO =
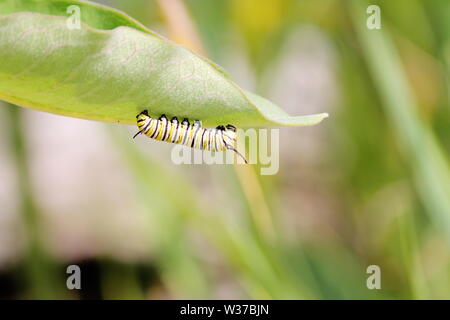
(370, 185)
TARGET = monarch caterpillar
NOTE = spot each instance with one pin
(221, 138)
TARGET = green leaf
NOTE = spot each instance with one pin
(112, 67)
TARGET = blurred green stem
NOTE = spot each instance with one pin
(259, 209)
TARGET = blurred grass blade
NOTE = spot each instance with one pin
(111, 68)
(430, 167)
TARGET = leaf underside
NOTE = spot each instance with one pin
(112, 68)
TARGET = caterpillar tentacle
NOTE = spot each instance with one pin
(221, 138)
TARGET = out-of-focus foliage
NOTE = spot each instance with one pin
(367, 187)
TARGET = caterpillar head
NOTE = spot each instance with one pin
(229, 134)
(230, 139)
(229, 127)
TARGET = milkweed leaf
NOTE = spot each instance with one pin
(112, 67)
